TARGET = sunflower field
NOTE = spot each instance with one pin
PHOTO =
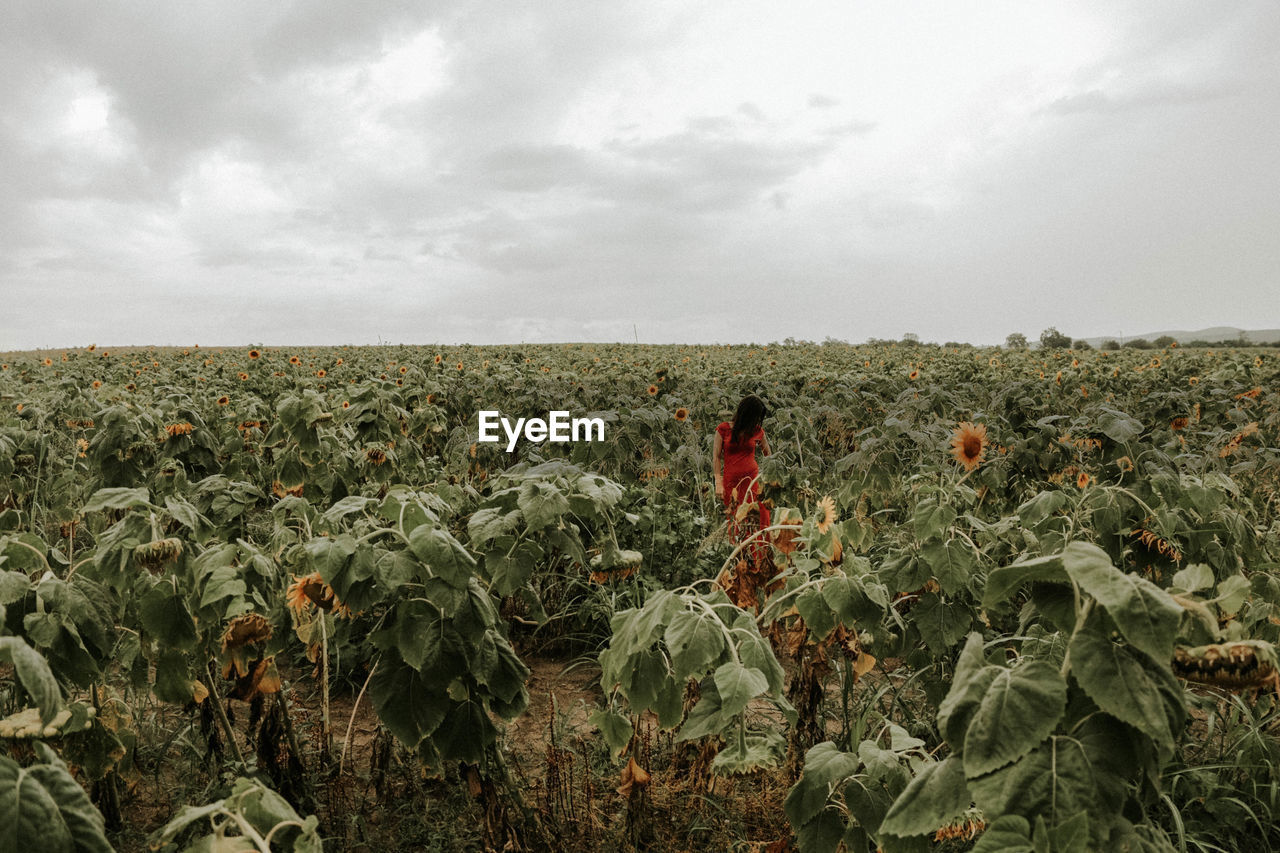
(285, 599)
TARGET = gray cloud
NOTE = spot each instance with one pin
(258, 170)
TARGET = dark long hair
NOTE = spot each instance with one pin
(750, 414)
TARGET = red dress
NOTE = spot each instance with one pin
(740, 472)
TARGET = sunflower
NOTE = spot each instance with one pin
(913, 375)
(439, 358)
(346, 404)
(131, 387)
(48, 362)
(1194, 380)
(1178, 423)
(828, 507)
(91, 347)
(969, 444)
(81, 446)
(293, 359)
(242, 376)
(399, 383)
(1125, 464)
(309, 590)
(337, 363)
(431, 399)
(404, 370)
(1075, 362)
(96, 384)
(1084, 392)
(459, 367)
(652, 390)
(223, 400)
(682, 414)
(1257, 361)
(254, 354)
(1082, 480)
(322, 373)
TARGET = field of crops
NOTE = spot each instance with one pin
(283, 599)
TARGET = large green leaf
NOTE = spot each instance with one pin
(695, 639)
(1003, 581)
(941, 623)
(1006, 834)
(951, 563)
(442, 553)
(936, 795)
(738, 685)
(542, 504)
(44, 810)
(1018, 710)
(117, 498)
(165, 617)
(1121, 682)
(34, 673)
(1146, 615)
(825, 765)
(410, 705)
(972, 677)
(1054, 780)
(931, 518)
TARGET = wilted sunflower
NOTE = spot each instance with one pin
(1178, 423)
(969, 444)
(131, 387)
(254, 354)
(1082, 480)
(682, 414)
(827, 505)
(652, 390)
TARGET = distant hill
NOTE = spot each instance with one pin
(1215, 333)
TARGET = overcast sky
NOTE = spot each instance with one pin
(345, 171)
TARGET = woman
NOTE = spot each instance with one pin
(733, 461)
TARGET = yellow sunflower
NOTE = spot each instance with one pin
(969, 444)
(682, 414)
(827, 505)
